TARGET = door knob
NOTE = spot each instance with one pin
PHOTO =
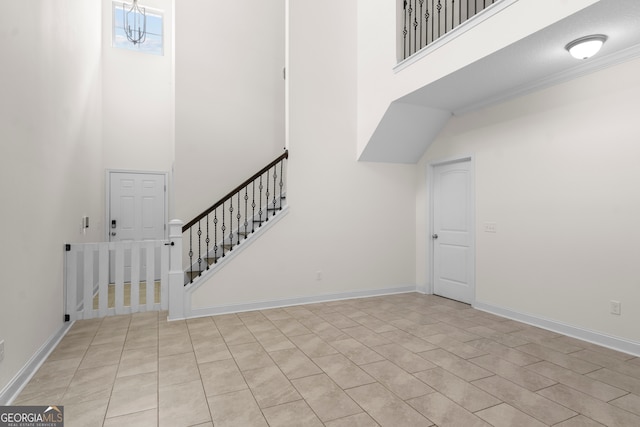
(435, 236)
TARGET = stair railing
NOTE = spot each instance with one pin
(424, 21)
(211, 235)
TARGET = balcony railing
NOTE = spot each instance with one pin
(424, 21)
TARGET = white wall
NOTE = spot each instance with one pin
(379, 85)
(138, 119)
(229, 96)
(50, 161)
(557, 171)
(353, 221)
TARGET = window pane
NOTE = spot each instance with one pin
(153, 44)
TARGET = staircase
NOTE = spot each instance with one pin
(229, 225)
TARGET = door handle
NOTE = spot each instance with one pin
(113, 233)
(435, 236)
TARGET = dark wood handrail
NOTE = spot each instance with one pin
(219, 203)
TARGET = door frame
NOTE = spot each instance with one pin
(108, 172)
(472, 212)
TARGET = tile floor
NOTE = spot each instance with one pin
(399, 360)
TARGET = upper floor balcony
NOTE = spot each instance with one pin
(420, 62)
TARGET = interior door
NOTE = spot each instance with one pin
(136, 213)
(453, 240)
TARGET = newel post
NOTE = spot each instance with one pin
(176, 274)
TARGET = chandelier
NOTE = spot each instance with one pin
(135, 22)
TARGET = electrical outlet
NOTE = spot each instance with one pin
(489, 227)
(1, 350)
(615, 307)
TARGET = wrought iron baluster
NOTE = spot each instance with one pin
(215, 237)
(266, 199)
(404, 30)
(207, 240)
(275, 176)
(253, 206)
(421, 26)
(246, 218)
(410, 10)
(281, 182)
(223, 229)
(439, 7)
(446, 3)
(238, 216)
(433, 21)
(231, 222)
(260, 187)
(199, 233)
(191, 254)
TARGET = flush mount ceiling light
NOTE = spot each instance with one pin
(586, 47)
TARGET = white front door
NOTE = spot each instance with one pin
(137, 208)
(452, 235)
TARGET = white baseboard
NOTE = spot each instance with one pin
(263, 305)
(15, 386)
(599, 338)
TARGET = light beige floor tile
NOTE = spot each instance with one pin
(338, 320)
(326, 399)
(221, 377)
(312, 345)
(173, 344)
(133, 394)
(408, 341)
(590, 407)
(456, 365)
(294, 363)
(400, 382)
(236, 409)
(579, 421)
(236, 334)
(144, 338)
(138, 361)
(358, 420)
(507, 353)
(566, 361)
(292, 414)
(178, 368)
(612, 363)
(617, 379)
(445, 413)
(84, 414)
(275, 343)
(461, 392)
(404, 358)
(90, 384)
(326, 330)
(583, 383)
(356, 352)
(504, 415)
(514, 373)
(211, 351)
(148, 418)
(102, 355)
(270, 387)
(182, 405)
(537, 406)
(52, 376)
(630, 402)
(341, 370)
(386, 408)
(366, 336)
(291, 327)
(106, 335)
(250, 356)
(559, 345)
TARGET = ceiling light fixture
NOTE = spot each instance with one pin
(137, 16)
(586, 47)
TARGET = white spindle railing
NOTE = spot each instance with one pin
(87, 275)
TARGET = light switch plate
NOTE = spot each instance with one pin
(489, 227)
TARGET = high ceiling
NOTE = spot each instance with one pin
(537, 61)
